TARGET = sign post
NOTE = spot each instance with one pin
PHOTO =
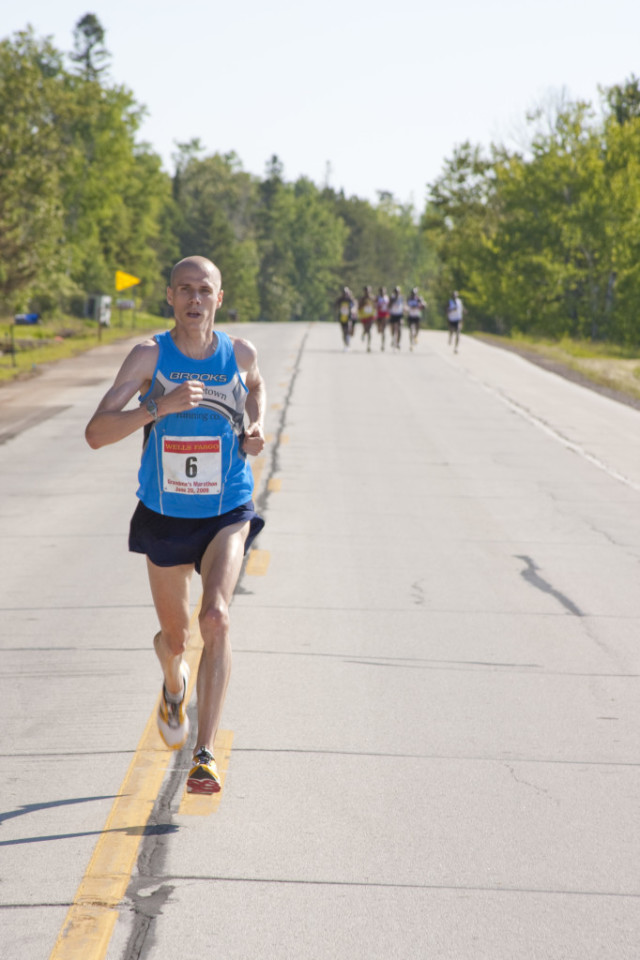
(124, 281)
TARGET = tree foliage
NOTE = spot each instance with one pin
(32, 98)
(90, 52)
(216, 204)
(545, 240)
(79, 197)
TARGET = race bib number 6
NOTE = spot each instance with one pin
(191, 465)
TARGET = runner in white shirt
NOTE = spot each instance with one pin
(416, 306)
(455, 312)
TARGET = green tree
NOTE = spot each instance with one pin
(623, 100)
(79, 198)
(553, 240)
(32, 96)
(216, 204)
(317, 238)
(274, 217)
(99, 180)
(89, 51)
(458, 226)
(621, 184)
(545, 241)
(384, 245)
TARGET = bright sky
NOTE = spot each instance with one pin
(370, 95)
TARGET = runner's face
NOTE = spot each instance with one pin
(195, 296)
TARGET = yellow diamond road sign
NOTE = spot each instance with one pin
(125, 280)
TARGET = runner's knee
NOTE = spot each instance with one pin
(175, 639)
(214, 622)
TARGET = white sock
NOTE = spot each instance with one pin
(174, 697)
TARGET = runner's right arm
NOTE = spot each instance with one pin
(111, 422)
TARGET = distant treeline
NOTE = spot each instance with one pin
(544, 240)
(81, 197)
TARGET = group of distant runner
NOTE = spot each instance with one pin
(387, 312)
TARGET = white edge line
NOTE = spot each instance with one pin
(550, 431)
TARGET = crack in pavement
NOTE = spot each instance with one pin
(533, 786)
(530, 574)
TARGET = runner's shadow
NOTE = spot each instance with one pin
(141, 830)
(33, 807)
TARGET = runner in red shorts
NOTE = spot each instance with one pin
(382, 316)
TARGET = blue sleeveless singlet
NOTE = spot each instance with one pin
(192, 462)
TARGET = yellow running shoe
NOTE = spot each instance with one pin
(203, 777)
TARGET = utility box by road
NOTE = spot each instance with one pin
(99, 309)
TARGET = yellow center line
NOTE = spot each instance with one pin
(258, 563)
(90, 920)
(257, 469)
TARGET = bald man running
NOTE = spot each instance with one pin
(196, 386)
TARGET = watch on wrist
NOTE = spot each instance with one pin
(152, 408)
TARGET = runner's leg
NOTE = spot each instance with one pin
(170, 592)
(220, 570)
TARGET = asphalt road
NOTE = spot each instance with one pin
(431, 737)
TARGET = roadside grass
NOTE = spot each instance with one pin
(63, 337)
(605, 364)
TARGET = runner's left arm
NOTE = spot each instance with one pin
(247, 357)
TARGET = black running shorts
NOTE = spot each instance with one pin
(172, 541)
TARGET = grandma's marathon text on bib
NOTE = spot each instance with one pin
(192, 464)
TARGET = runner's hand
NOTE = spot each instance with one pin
(185, 397)
(253, 440)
